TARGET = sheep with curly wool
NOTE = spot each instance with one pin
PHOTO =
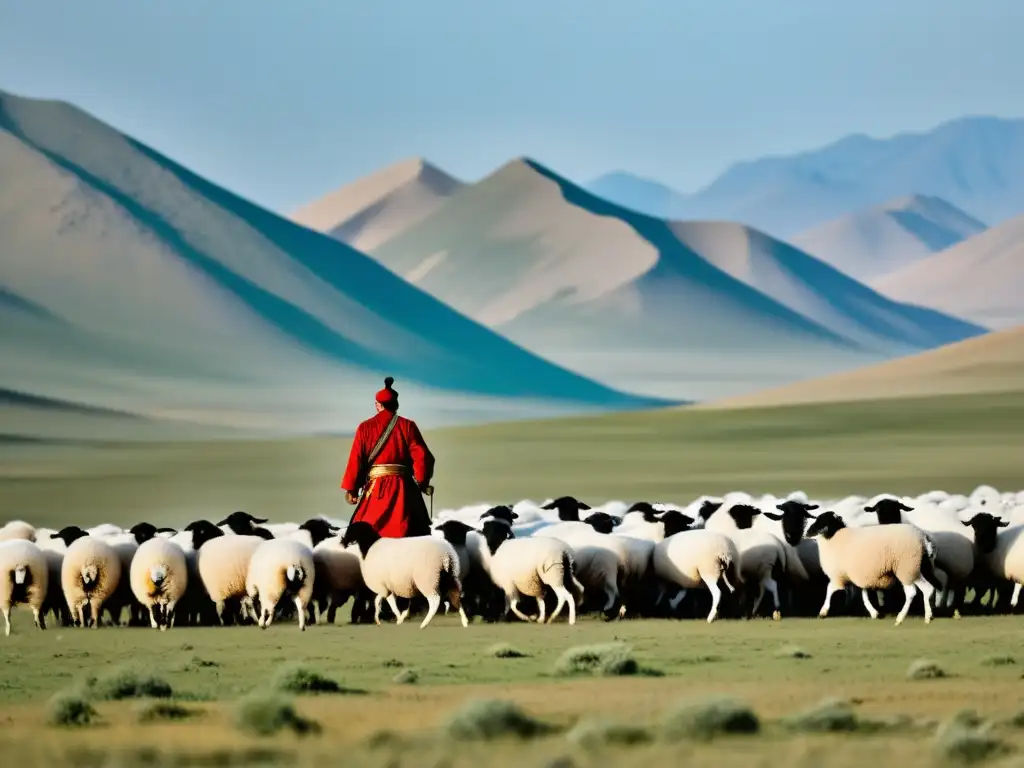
(17, 530)
(223, 566)
(159, 577)
(528, 566)
(281, 569)
(407, 567)
(90, 574)
(954, 550)
(24, 578)
(696, 559)
(875, 557)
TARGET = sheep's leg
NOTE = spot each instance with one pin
(169, 614)
(268, 616)
(866, 598)
(94, 610)
(513, 605)
(301, 610)
(7, 619)
(572, 607)
(927, 592)
(773, 588)
(830, 590)
(542, 609)
(455, 598)
(220, 612)
(760, 596)
(152, 617)
(433, 603)
(716, 599)
(378, 602)
(37, 617)
(1015, 596)
(909, 590)
(674, 602)
(399, 615)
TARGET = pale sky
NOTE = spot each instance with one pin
(283, 101)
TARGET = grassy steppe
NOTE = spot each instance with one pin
(209, 669)
(908, 445)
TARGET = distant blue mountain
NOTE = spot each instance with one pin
(975, 163)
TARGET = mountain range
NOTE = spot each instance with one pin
(129, 283)
(375, 208)
(973, 163)
(874, 242)
(688, 310)
(981, 279)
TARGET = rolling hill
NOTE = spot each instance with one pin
(974, 163)
(130, 283)
(639, 194)
(989, 364)
(373, 209)
(686, 310)
(980, 279)
(869, 244)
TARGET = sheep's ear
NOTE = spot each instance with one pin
(1002, 524)
(223, 522)
(260, 520)
(809, 506)
(905, 508)
(970, 522)
(871, 509)
(581, 505)
(55, 535)
(772, 515)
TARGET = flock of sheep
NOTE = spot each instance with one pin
(648, 560)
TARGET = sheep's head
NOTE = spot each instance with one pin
(675, 522)
(568, 507)
(826, 525)
(743, 515)
(242, 523)
(319, 529)
(794, 519)
(602, 522)
(651, 515)
(69, 534)
(496, 533)
(986, 530)
(202, 531)
(361, 535)
(454, 532)
(143, 532)
(889, 511)
(708, 508)
(502, 512)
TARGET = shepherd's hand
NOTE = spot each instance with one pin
(350, 497)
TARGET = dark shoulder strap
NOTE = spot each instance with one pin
(382, 439)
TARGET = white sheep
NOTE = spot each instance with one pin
(694, 559)
(223, 565)
(24, 578)
(159, 578)
(600, 571)
(526, 566)
(90, 574)
(875, 557)
(17, 529)
(417, 565)
(278, 569)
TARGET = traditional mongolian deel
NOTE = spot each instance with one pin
(391, 463)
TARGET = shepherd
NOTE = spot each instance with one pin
(389, 469)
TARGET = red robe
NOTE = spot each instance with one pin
(393, 505)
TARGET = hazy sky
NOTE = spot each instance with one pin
(282, 101)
